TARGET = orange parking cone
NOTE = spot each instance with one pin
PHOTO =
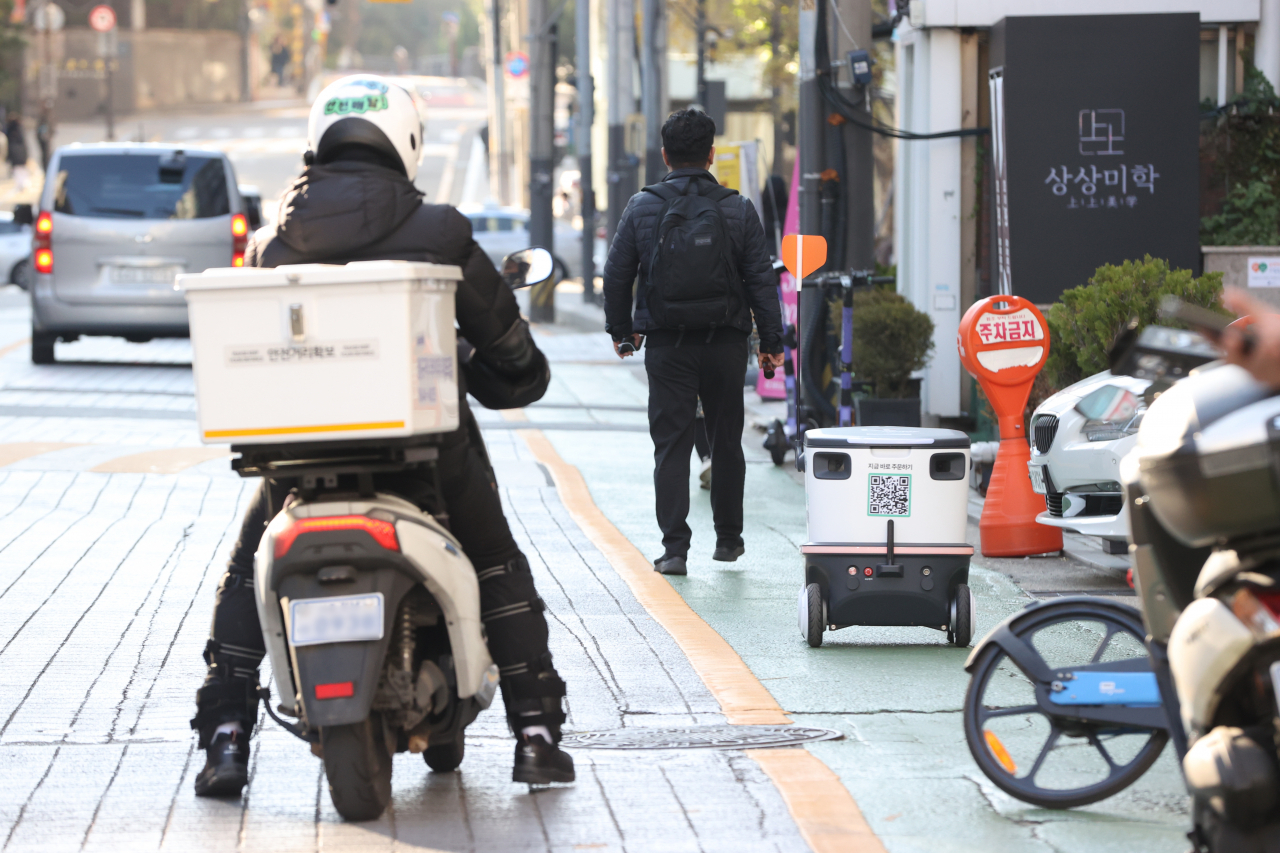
(1003, 344)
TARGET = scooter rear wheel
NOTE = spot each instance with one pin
(1052, 760)
(357, 764)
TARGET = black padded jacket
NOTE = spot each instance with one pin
(633, 243)
(353, 211)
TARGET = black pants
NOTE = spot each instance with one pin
(678, 377)
(509, 605)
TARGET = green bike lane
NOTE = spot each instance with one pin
(895, 693)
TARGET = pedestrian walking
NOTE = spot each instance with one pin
(704, 269)
(281, 56)
(17, 157)
(45, 128)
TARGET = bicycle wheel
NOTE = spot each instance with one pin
(1050, 759)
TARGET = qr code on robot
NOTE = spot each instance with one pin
(890, 494)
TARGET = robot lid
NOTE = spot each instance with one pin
(883, 436)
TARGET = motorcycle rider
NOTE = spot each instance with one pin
(356, 201)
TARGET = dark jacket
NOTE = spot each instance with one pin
(352, 211)
(633, 243)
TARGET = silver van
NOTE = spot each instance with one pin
(116, 224)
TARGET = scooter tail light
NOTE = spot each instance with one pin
(383, 532)
(336, 690)
(1259, 610)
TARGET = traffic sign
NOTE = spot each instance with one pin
(517, 63)
(102, 18)
(803, 254)
(1003, 343)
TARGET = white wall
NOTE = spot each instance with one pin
(928, 227)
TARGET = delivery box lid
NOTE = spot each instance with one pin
(885, 437)
(359, 272)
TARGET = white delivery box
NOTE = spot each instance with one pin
(318, 352)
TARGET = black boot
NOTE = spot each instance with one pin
(226, 768)
(540, 763)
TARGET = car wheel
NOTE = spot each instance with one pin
(21, 274)
(42, 347)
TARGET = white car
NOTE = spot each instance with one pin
(503, 230)
(15, 250)
(1079, 436)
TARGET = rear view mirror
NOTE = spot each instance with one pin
(23, 214)
(527, 267)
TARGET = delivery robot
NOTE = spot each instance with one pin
(887, 512)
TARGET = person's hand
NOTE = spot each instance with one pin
(1263, 359)
(769, 361)
(635, 342)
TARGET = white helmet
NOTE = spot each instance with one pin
(366, 110)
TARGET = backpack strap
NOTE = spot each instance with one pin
(664, 191)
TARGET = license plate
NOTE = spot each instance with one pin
(341, 619)
(143, 275)
(1037, 478)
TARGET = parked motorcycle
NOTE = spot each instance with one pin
(369, 609)
(1201, 664)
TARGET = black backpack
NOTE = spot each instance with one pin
(694, 283)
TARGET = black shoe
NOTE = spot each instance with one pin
(728, 553)
(541, 763)
(226, 768)
(671, 566)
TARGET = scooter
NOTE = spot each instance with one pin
(1200, 665)
(369, 609)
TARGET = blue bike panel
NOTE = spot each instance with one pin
(1138, 689)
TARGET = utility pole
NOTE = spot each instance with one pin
(621, 40)
(542, 83)
(809, 130)
(499, 165)
(652, 55)
(701, 25)
(586, 115)
(859, 166)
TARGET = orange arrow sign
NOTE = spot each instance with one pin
(803, 254)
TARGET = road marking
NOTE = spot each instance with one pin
(828, 816)
(170, 460)
(19, 450)
(13, 346)
(824, 811)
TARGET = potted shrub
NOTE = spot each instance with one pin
(891, 340)
(1086, 321)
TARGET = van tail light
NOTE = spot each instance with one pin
(239, 238)
(42, 243)
(383, 532)
(1259, 609)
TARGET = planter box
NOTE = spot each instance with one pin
(873, 412)
(1235, 262)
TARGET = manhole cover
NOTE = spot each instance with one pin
(699, 737)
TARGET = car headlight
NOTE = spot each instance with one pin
(1113, 412)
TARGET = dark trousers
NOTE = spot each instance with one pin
(678, 377)
(510, 607)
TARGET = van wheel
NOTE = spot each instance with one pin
(357, 764)
(445, 757)
(42, 347)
